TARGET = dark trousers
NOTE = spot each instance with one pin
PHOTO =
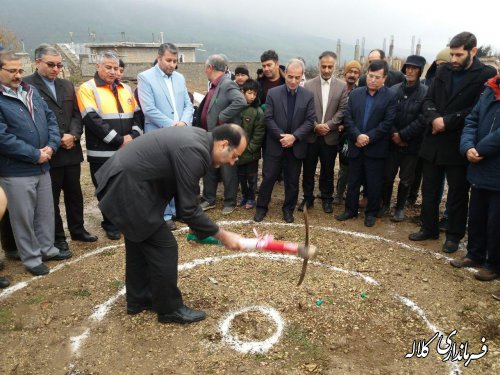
(271, 169)
(326, 155)
(6, 234)
(151, 272)
(67, 179)
(458, 199)
(369, 171)
(342, 180)
(247, 176)
(106, 224)
(229, 176)
(484, 228)
(405, 164)
(417, 181)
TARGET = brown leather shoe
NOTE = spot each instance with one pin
(464, 262)
(485, 274)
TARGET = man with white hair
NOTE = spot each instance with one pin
(289, 119)
(110, 114)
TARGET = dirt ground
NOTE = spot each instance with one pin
(365, 299)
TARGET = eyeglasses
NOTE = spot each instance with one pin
(14, 71)
(374, 76)
(51, 65)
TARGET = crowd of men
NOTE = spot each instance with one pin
(154, 146)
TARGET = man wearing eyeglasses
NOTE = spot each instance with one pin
(368, 120)
(29, 137)
(65, 167)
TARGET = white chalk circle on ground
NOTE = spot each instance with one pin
(254, 347)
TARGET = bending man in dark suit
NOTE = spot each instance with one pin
(65, 165)
(371, 111)
(156, 167)
(289, 119)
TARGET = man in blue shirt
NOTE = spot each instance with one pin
(368, 121)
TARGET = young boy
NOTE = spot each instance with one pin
(241, 75)
(252, 121)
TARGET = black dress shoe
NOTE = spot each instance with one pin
(14, 254)
(259, 216)
(182, 315)
(422, 236)
(113, 235)
(310, 204)
(369, 221)
(288, 216)
(345, 216)
(39, 270)
(4, 282)
(61, 245)
(450, 246)
(134, 310)
(59, 256)
(84, 237)
(171, 225)
(327, 206)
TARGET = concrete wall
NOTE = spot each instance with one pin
(193, 72)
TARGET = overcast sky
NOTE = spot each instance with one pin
(432, 21)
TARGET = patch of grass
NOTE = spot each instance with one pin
(116, 284)
(35, 300)
(5, 316)
(80, 293)
(108, 253)
(300, 337)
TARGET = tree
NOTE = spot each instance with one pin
(8, 39)
(484, 51)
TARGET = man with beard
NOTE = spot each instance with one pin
(330, 102)
(451, 97)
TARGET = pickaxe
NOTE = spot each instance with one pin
(267, 243)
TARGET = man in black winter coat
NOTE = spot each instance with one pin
(451, 97)
(406, 136)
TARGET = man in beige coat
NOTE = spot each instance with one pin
(330, 101)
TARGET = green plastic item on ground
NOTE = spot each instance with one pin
(206, 241)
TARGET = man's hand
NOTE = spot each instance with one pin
(322, 129)
(179, 123)
(48, 150)
(44, 156)
(67, 141)
(438, 125)
(473, 155)
(126, 140)
(362, 140)
(230, 240)
(396, 138)
(287, 140)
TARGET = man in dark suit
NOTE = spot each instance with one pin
(330, 102)
(159, 166)
(65, 165)
(289, 119)
(451, 97)
(222, 104)
(368, 121)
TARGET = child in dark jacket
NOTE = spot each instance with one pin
(252, 121)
